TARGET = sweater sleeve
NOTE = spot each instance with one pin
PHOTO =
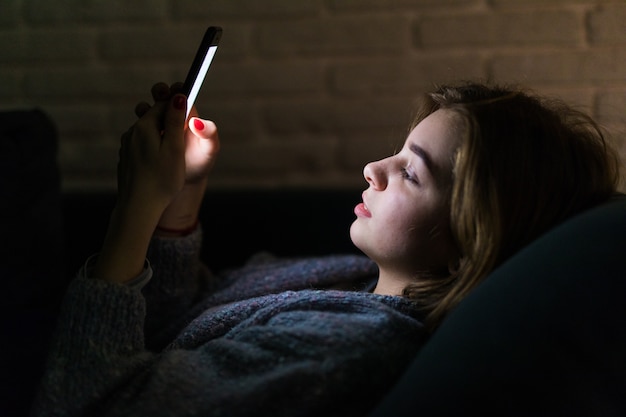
(294, 353)
(99, 332)
(179, 278)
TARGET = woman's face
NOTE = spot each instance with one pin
(403, 222)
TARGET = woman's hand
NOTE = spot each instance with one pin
(151, 168)
(201, 138)
(201, 148)
(151, 173)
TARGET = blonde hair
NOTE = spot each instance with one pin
(524, 165)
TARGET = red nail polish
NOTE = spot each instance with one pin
(197, 123)
(179, 102)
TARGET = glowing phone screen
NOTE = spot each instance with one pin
(197, 83)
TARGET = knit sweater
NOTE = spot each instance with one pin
(268, 339)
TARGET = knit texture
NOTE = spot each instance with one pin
(263, 340)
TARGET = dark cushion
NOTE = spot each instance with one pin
(545, 334)
(30, 208)
(31, 259)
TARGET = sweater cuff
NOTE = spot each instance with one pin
(108, 314)
(175, 262)
(86, 272)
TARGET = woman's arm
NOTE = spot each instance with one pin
(162, 175)
(151, 172)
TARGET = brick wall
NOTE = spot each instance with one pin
(304, 91)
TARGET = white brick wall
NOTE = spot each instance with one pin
(304, 91)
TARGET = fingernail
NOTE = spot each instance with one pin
(179, 102)
(198, 124)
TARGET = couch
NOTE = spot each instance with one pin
(545, 334)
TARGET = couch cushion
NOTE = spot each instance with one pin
(31, 259)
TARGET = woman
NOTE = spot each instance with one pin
(482, 172)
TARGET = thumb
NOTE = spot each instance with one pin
(205, 130)
(174, 123)
(202, 128)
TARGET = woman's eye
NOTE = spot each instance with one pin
(406, 174)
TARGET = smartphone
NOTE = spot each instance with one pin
(201, 64)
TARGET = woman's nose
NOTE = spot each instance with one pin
(374, 175)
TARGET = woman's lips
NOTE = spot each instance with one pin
(361, 210)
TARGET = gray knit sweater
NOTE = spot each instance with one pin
(269, 339)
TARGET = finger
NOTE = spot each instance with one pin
(160, 92)
(176, 88)
(174, 124)
(202, 128)
(206, 131)
(152, 113)
(141, 109)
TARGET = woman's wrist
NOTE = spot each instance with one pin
(126, 243)
(180, 217)
(163, 231)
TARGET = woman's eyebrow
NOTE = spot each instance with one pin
(423, 155)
